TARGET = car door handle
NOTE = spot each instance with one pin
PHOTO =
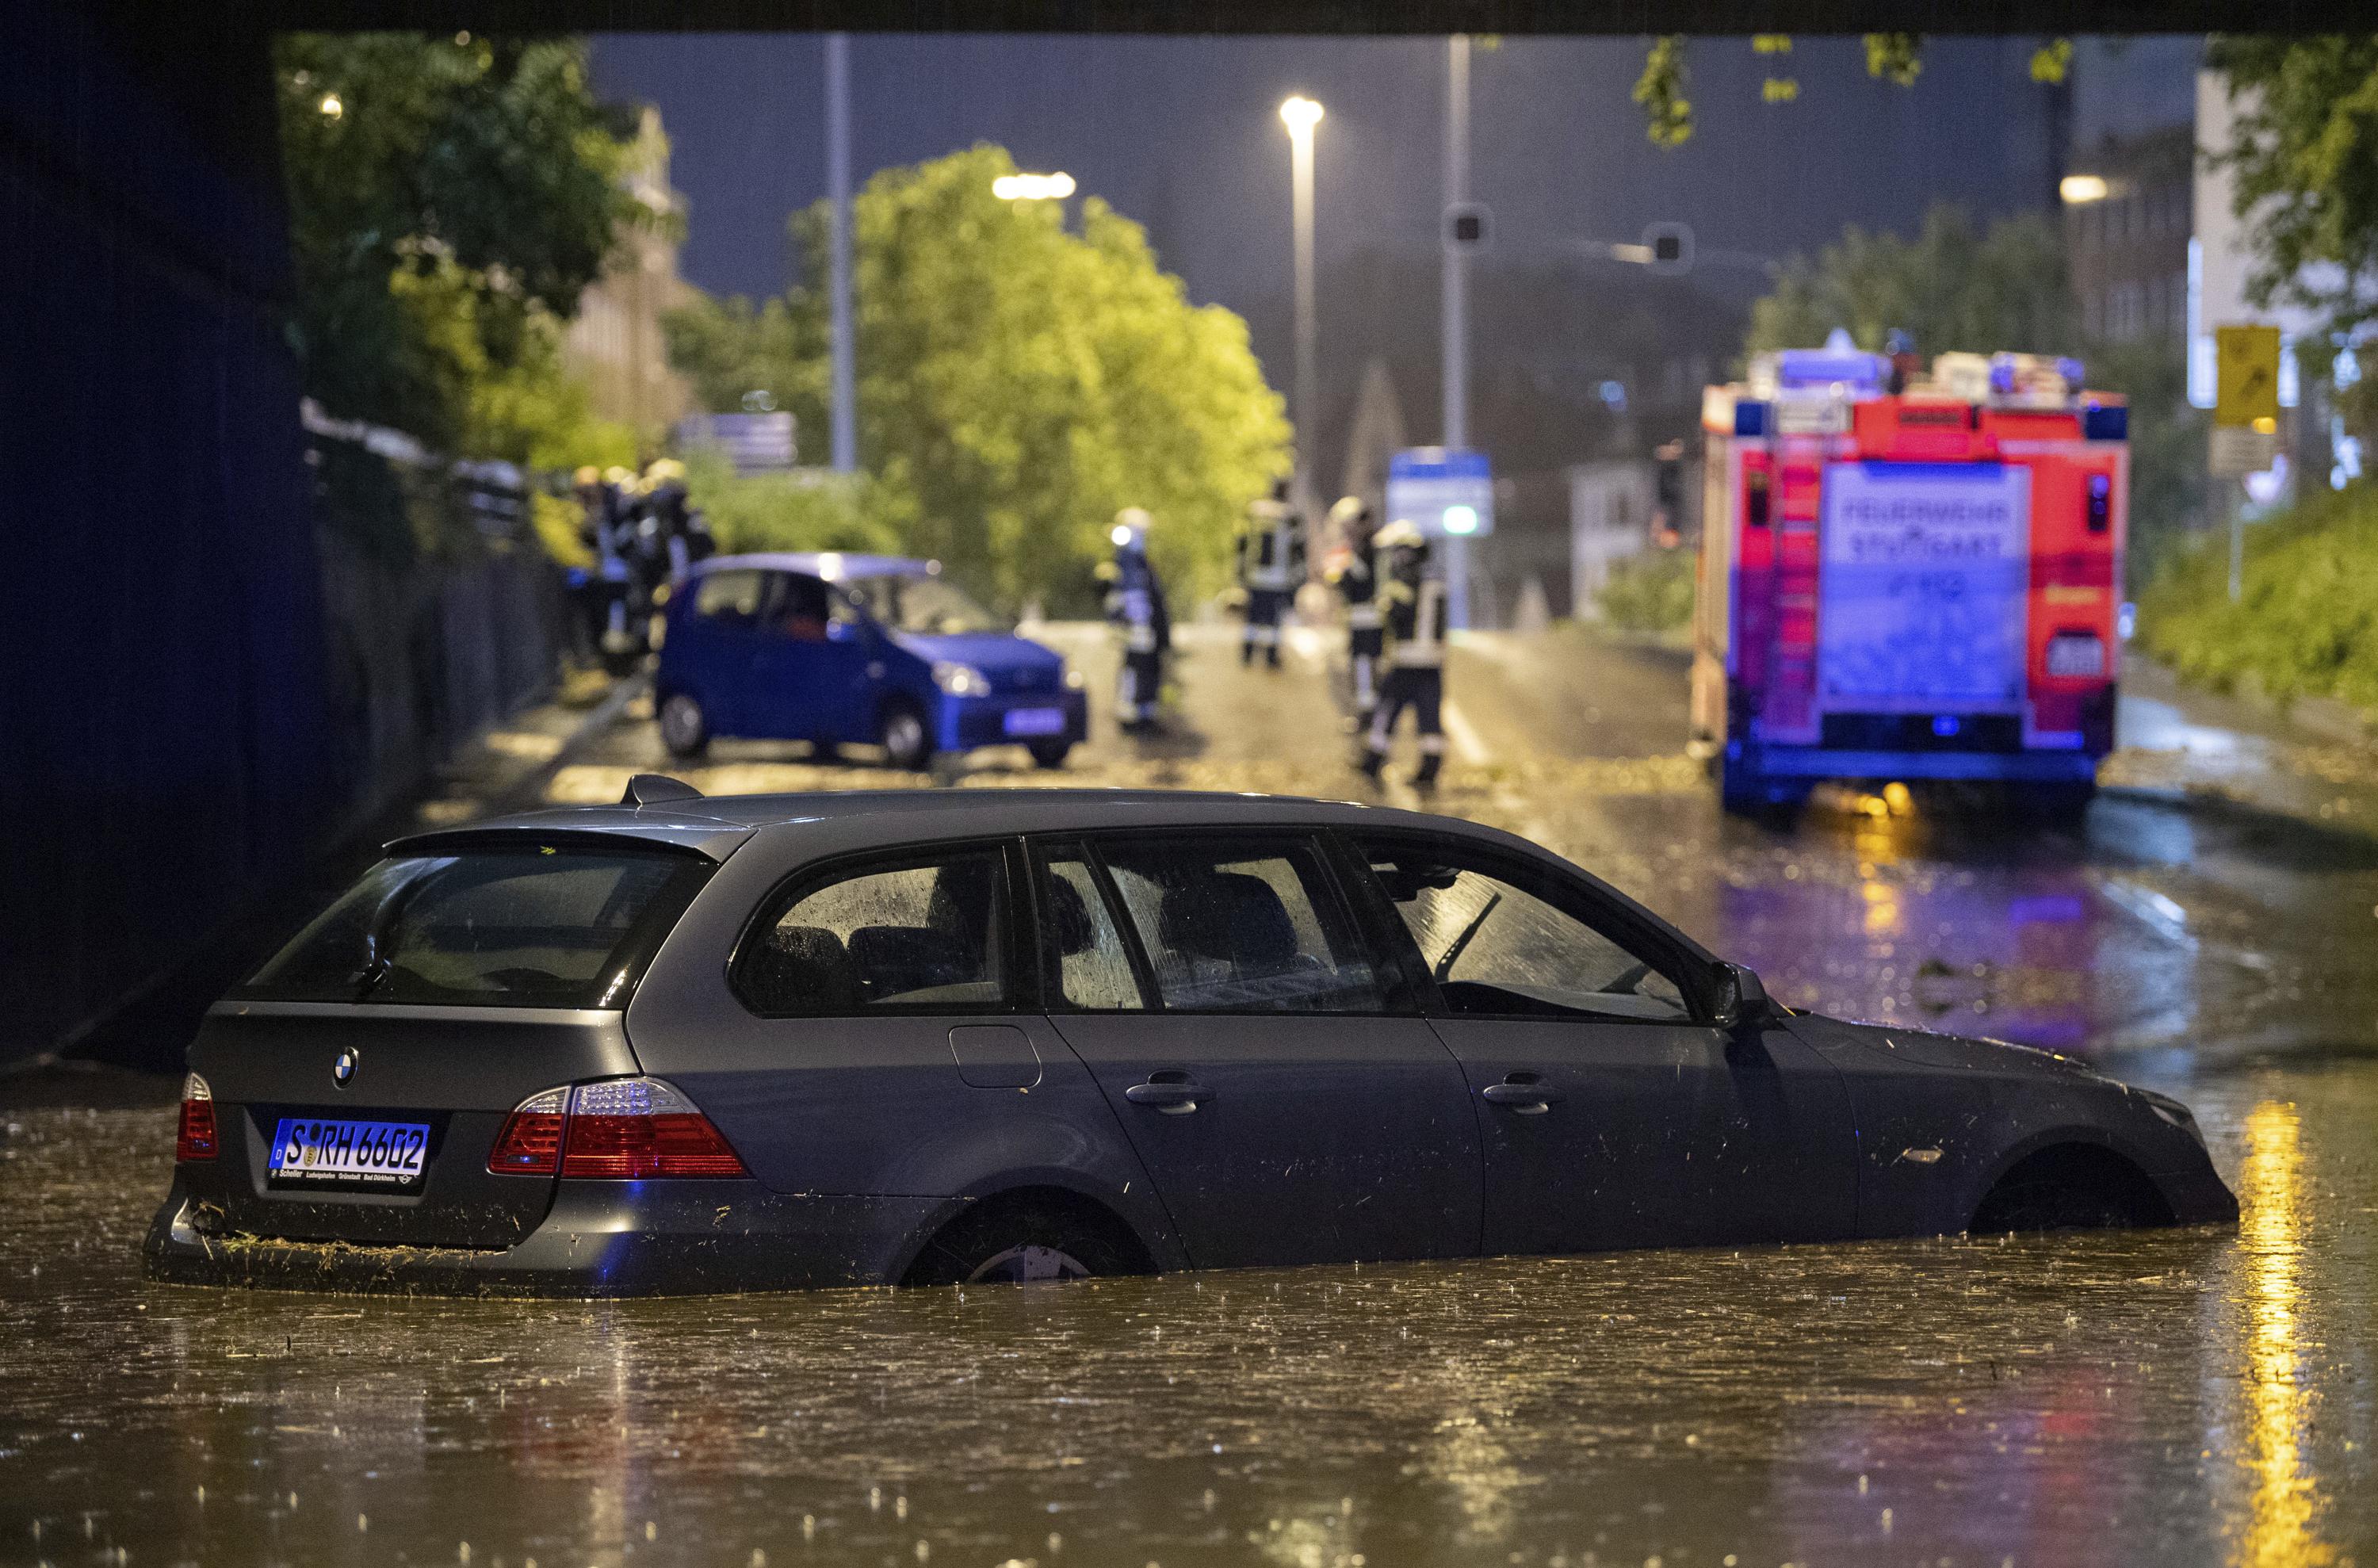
(1529, 1095)
(1171, 1096)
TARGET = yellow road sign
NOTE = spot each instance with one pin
(2248, 391)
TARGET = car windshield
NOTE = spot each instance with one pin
(927, 606)
(524, 926)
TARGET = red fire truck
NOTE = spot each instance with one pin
(1909, 583)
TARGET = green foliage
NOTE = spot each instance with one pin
(1951, 287)
(728, 348)
(2307, 624)
(2052, 62)
(1019, 384)
(1661, 91)
(782, 512)
(449, 201)
(1955, 288)
(1895, 56)
(2303, 152)
(1651, 592)
(2170, 487)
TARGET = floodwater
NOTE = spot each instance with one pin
(2166, 1397)
(2172, 1398)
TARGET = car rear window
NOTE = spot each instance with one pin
(526, 925)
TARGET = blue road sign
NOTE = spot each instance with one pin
(1444, 494)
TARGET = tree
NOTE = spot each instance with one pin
(450, 198)
(1955, 287)
(730, 349)
(1896, 57)
(1019, 383)
(2303, 153)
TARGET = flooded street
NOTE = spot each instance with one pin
(2167, 1398)
(2164, 1397)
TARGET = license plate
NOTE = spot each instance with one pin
(2076, 655)
(307, 1152)
(1036, 721)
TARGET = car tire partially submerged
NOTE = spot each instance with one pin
(1026, 1241)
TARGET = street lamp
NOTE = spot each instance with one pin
(1033, 188)
(1300, 114)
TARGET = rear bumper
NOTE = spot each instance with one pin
(1814, 762)
(600, 1238)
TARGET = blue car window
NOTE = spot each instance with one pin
(729, 596)
(1231, 927)
(921, 938)
(925, 606)
(798, 608)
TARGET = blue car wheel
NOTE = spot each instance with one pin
(907, 741)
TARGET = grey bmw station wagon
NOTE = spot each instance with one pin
(922, 1037)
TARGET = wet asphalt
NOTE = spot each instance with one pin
(2169, 1397)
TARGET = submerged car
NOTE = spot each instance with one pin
(855, 650)
(689, 1044)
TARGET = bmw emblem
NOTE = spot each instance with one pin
(342, 1072)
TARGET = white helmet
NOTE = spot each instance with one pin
(1130, 525)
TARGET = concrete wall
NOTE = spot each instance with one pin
(204, 687)
(163, 720)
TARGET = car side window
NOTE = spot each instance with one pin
(1242, 926)
(1494, 947)
(801, 607)
(929, 935)
(729, 596)
(1089, 967)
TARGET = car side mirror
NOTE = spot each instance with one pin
(1741, 999)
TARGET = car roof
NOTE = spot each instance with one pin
(866, 820)
(715, 825)
(832, 565)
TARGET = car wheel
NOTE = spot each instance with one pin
(1051, 754)
(1023, 1244)
(2050, 1207)
(906, 743)
(685, 729)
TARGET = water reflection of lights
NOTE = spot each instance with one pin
(2286, 1495)
(1471, 1459)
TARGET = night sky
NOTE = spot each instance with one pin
(1181, 133)
(1184, 134)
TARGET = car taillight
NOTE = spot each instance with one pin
(530, 1143)
(197, 1139)
(631, 1128)
(622, 1128)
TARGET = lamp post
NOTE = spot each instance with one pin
(844, 431)
(1300, 114)
(1455, 349)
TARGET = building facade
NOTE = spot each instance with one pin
(615, 343)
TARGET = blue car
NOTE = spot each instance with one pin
(871, 649)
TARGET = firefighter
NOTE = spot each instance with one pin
(1358, 587)
(1136, 605)
(668, 521)
(1272, 566)
(1414, 602)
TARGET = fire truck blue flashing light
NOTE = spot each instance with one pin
(1858, 372)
